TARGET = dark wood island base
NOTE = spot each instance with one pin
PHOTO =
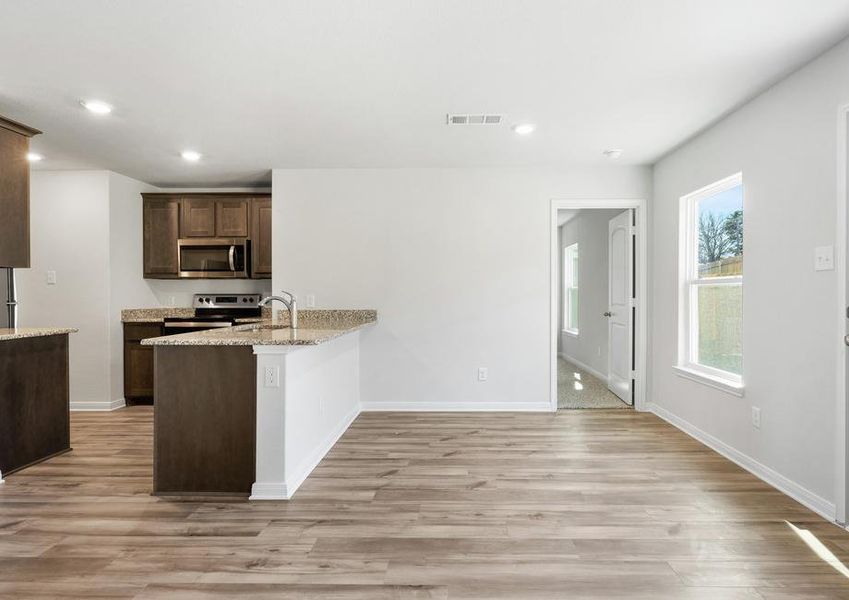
(34, 400)
(204, 420)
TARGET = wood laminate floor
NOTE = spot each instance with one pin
(578, 504)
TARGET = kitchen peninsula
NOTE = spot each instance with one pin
(252, 409)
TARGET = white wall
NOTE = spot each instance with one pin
(590, 230)
(456, 261)
(784, 142)
(69, 234)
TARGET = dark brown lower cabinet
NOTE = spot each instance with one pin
(204, 420)
(34, 401)
(138, 362)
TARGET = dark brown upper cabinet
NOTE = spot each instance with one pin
(231, 217)
(198, 217)
(171, 216)
(161, 230)
(14, 194)
(261, 237)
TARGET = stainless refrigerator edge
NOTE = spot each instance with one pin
(8, 300)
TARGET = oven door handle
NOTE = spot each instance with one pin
(232, 257)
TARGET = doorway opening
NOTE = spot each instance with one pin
(598, 313)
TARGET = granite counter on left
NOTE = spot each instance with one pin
(19, 333)
(34, 396)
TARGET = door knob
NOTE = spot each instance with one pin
(607, 313)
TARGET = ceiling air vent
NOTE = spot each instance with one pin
(473, 119)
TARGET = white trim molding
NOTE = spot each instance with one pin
(456, 407)
(717, 383)
(816, 503)
(269, 491)
(841, 414)
(98, 405)
(640, 206)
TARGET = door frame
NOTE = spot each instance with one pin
(841, 252)
(640, 206)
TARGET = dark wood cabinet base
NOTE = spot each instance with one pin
(34, 401)
(204, 440)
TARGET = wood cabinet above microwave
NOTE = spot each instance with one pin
(169, 217)
(207, 217)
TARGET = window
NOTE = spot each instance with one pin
(570, 289)
(711, 298)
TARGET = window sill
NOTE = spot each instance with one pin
(571, 332)
(723, 385)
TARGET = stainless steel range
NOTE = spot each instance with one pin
(215, 310)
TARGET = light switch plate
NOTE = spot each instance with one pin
(824, 258)
(51, 277)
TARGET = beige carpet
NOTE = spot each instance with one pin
(578, 389)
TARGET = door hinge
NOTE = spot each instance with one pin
(633, 374)
(632, 302)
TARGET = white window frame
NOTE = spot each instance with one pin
(568, 278)
(689, 282)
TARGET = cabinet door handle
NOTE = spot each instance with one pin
(607, 313)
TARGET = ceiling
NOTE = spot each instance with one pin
(263, 84)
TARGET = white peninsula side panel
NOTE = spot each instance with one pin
(307, 396)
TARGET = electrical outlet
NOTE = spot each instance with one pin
(756, 417)
(172, 301)
(483, 373)
(51, 277)
(824, 258)
(310, 300)
(272, 377)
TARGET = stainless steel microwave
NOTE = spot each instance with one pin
(213, 257)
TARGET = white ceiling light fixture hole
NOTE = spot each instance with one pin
(191, 155)
(613, 153)
(34, 157)
(524, 128)
(97, 107)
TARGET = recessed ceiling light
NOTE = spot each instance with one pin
(524, 128)
(613, 153)
(98, 107)
(191, 155)
(33, 157)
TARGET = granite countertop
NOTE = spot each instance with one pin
(158, 315)
(31, 332)
(316, 326)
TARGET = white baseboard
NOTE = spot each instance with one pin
(457, 407)
(585, 367)
(269, 491)
(816, 503)
(107, 405)
(306, 467)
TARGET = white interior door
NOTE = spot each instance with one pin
(619, 312)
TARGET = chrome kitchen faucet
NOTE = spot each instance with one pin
(291, 304)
